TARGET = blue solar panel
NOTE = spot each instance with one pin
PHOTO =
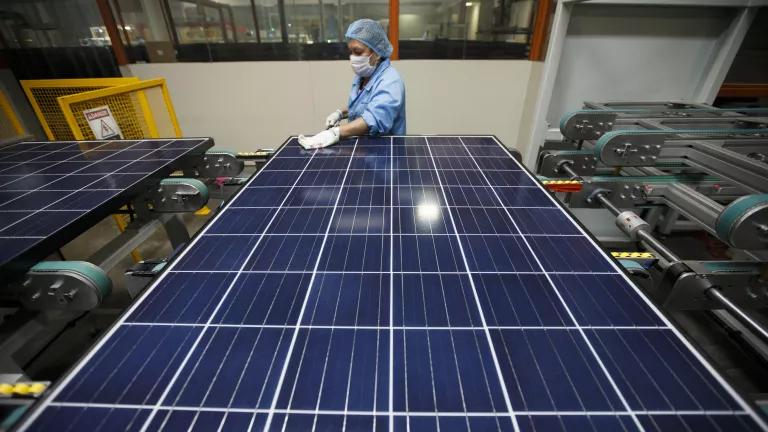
(45, 187)
(393, 284)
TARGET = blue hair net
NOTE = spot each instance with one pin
(372, 34)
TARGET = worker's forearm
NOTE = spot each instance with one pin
(356, 127)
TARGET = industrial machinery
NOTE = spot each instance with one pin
(52, 192)
(666, 168)
(418, 283)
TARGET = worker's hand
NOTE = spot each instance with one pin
(333, 119)
(323, 139)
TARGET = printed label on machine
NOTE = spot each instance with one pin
(103, 123)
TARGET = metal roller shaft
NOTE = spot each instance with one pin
(711, 291)
(643, 235)
(608, 204)
(656, 245)
(566, 167)
(737, 313)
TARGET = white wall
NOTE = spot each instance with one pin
(529, 104)
(250, 105)
(635, 53)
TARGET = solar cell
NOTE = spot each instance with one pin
(50, 192)
(393, 284)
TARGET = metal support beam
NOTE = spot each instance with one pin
(394, 28)
(321, 36)
(170, 23)
(743, 90)
(670, 219)
(137, 233)
(549, 74)
(693, 205)
(231, 14)
(114, 36)
(115, 4)
(683, 199)
(539, 30)
(223, 25)
(255, 21)
(283, 21)
(721, 160)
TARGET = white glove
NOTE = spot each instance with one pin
(323, 139)
(333, 119)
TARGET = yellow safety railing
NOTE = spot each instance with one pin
(43, 95)
(141, 110)
(10, 126)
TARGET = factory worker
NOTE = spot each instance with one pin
(376, 103)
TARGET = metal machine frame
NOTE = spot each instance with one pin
(713, 178)
(702, 88)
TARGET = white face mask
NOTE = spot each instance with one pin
(361, 65)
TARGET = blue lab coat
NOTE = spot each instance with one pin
(381, 104)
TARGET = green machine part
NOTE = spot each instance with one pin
(744, 222)
(178, 195)
(68, 285)
(645, 146)
(220, 163)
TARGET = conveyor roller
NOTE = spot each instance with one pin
(65, 285)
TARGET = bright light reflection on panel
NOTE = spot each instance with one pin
(427, 212)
